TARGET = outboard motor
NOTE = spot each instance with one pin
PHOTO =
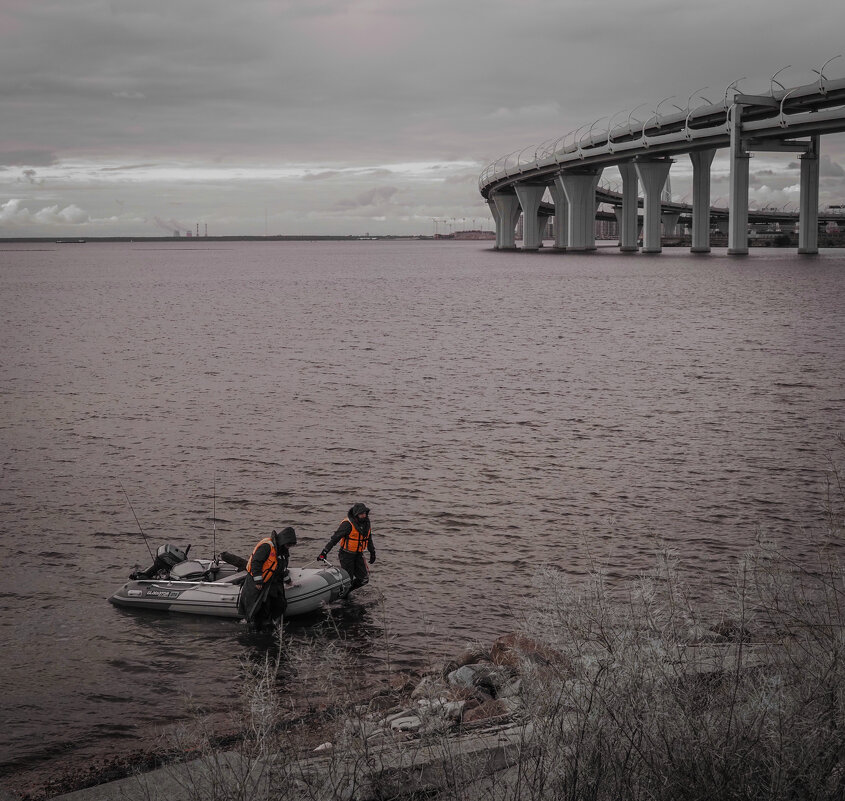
(166, 558)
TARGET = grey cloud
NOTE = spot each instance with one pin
(372, 197)
(321, 176)
(27, 158)
(828, 168)
(171, 225)
(128, 167)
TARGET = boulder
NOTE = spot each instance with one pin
(484, 676)
(406, 723)
(440, 707)
(512, 689)
(382, 703)
(490, 709)
(511, 649)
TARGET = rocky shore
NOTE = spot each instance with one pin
(478, 691)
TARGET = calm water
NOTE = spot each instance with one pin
(497, 412)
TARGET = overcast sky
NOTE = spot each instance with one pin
(135, 117)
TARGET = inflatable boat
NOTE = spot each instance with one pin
(212, 587)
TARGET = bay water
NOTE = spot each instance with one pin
(499, 412)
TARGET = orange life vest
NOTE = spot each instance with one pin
(270, 563)
(355, 541)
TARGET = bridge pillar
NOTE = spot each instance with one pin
(561, 215)
(542, 225)
(808, 218)
(626, 217)
(701, 162)
(529, 197)
(496, 218)
(670, 222)
(652, 175)
(508, 207)
(738, 204)
(580, 190)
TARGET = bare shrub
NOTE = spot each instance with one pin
(658, 703)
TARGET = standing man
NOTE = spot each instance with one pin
(355, 536)
(262, 602)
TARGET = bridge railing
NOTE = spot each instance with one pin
(817, 104)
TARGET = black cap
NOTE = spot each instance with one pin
(360, 509)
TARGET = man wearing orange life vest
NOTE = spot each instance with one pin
(355, 536)
(262, 601)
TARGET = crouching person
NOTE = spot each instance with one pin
(262, 602)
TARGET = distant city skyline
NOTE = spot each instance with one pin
(351, 116)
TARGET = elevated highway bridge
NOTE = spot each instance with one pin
(788, 119)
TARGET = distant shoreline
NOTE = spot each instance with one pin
(277, 238)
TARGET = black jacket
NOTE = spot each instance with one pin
(343, 530)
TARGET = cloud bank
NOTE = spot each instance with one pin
(294, 117)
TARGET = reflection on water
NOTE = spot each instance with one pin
(496, 411)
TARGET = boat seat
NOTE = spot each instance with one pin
(190, 570)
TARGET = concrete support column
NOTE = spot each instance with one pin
(738, 206)
(652, 175)
(808, 215)
(529, 198)
(627, 219)
(542, 225)
(509, 210)
(561, 215)
(580, 190)
(701, 162)
(496, 218)
(670, 222)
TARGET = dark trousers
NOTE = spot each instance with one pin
(356, 566)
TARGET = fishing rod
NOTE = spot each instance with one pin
(214, 519)
(136, 520)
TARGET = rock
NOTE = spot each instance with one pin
(404, 713)
(408, 723)
(511, 704)
(471, 696)
(362, 728)
(464, 676)
(511, 649)
(382, 703)
(440, 707)
(510, 690)
(490, 709)
(484, 676)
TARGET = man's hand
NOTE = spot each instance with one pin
(372, 556)
(323, 554)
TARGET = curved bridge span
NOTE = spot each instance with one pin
(785, 120)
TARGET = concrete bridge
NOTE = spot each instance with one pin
(788, 119)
